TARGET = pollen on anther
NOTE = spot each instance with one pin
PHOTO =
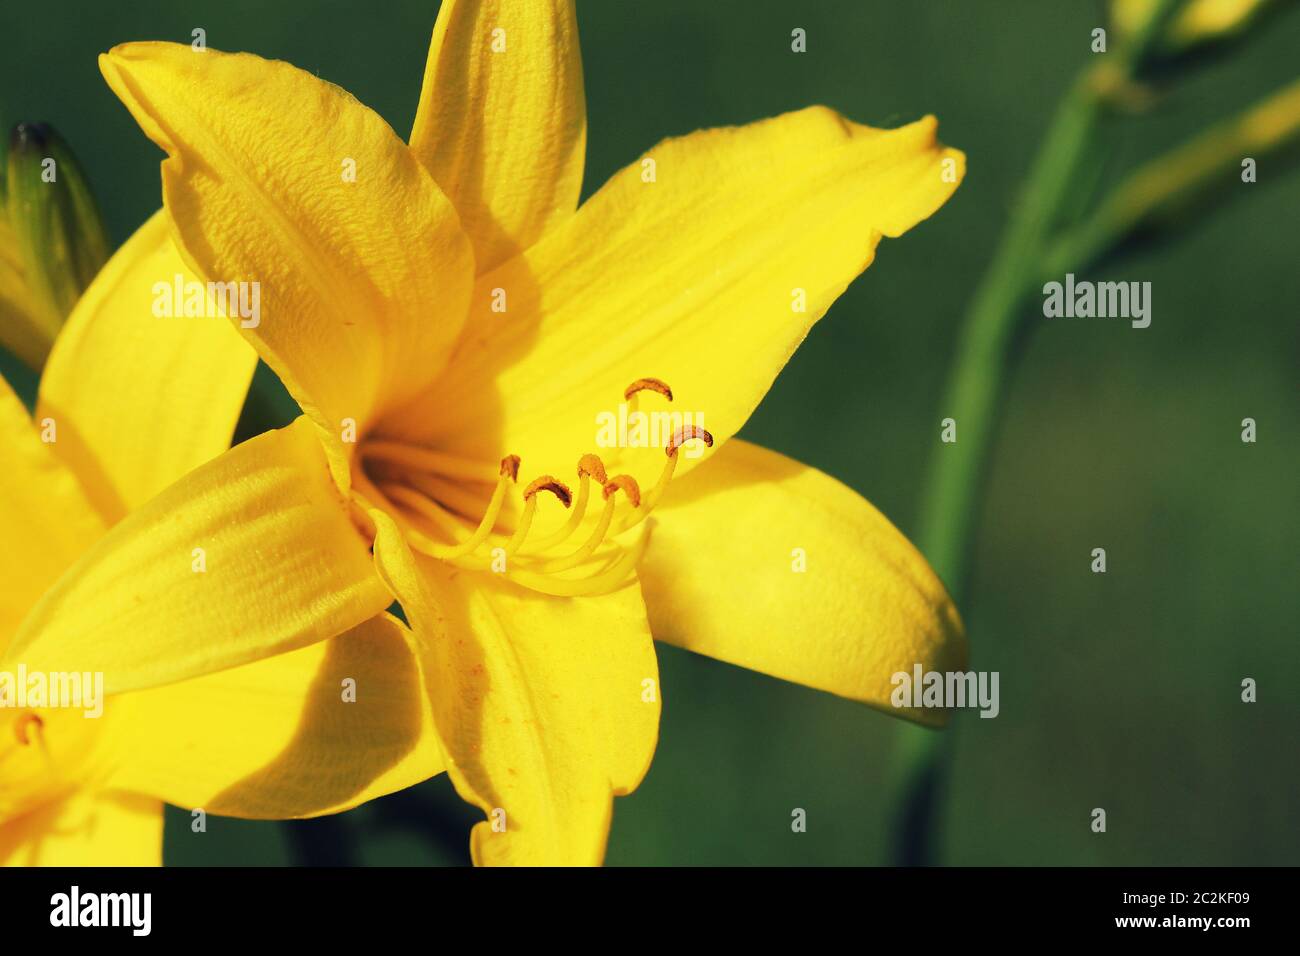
(683, 435)
(510, 466)
(626, 484)
(648, 384)
(593, 466)
(547, 483)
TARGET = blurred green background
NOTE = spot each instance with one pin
(1119, 690)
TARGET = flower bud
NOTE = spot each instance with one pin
(52, 242)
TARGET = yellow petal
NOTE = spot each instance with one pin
(721, 577)
(284, 568)
(502, 121)
(363, 278)
(86, 829)
(282, 738)
(695, 278)
(546, 707)
(139, 399)
(46, 521)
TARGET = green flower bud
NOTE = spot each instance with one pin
(52, 243)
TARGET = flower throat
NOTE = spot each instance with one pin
(425, 492)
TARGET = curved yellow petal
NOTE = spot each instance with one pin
(546, 707)
(250, 555)
(86, 829)
(705, 271)
(139, 398)
(313, 731)
(46, 520)
(722, 577)
(279, 178)
(502, 120)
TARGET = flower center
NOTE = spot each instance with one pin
(431, 496)
(28, 776)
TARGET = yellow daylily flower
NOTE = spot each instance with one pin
(442, 310)
(129, 402)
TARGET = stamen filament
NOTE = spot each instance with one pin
(544, 483)
(600, 583)
(588, 548)
(563, 533)
(589, 466)
(521, 530)
(451, 496)
(427, 460)
(377, 499)
(682, 435)
(451, 525)
(424, 506)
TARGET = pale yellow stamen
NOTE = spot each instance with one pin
(600, 583)
(424, 507)
(451, 496)
(507, 474)
(680, 437)
(589, 467)
(372, 497)
(544, 483)
(628, 486)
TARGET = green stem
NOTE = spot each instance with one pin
(1165, 190)
(975, 391)
(972, 400)
(983, 351)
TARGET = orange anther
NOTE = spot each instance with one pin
(626, 484)
(547, 483)
(593, 466)
(648, 384)
(687, 433)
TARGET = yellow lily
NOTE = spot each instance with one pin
(443, 309)
(127, 403)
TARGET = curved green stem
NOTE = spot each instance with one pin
(972, 400)
(975, 390)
